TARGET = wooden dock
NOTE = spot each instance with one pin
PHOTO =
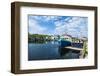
(74, 48)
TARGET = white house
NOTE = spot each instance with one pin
(66, 37)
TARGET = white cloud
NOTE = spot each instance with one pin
(35, 28)
(62, 23)
(58, 23)
(75, 26)
(67, 19)
(34, 17)
(47, 18)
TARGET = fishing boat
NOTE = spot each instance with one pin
(65, 43)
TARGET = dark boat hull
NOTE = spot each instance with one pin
(65, 43)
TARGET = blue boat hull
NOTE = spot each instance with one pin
(65, 43)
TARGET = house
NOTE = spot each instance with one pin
(66, 37)
(84, 38)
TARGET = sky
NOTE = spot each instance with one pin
(58, 25)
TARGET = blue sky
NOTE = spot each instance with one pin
(58, 25)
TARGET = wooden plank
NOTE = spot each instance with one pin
(74, 48)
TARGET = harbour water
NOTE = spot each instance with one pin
(49, 50)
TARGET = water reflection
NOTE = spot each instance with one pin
(49, 50)
(69, 54)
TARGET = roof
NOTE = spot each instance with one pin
(66, 35)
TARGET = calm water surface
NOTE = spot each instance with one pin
(49, 50)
